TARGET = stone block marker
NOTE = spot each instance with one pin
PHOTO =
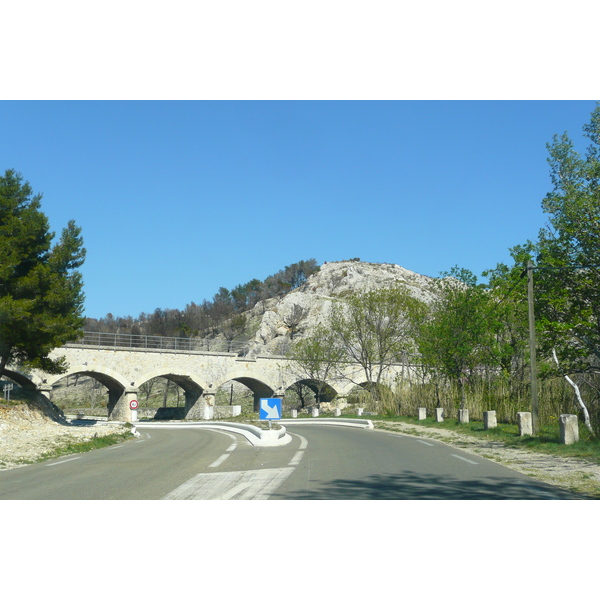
(489, 419)
(569, 429)
(359, 411)
(463, 415)
(338, 412)
(525, 424)
(422, 413)
(294, 414)
(439, 414)
(315, 412)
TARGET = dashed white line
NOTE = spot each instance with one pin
(465, 459)
(219, 461)
(300, 452)
(424, 442)
(62, 461)
(227, 453)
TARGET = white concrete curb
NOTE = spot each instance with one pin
(362, 423)
(255, 435)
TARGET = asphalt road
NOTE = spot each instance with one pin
(321, 462)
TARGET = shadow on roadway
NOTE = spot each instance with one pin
(414, 486)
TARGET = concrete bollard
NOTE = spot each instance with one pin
(489, 419)
(422, 413)
(315, 412)
(463, 415)
(294, 414)
(359, 411)
(439, 414)
(569, 429)
(525, 424)
(338, 412)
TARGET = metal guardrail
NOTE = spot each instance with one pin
(156, 342)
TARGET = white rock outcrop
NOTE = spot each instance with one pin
(294, 315)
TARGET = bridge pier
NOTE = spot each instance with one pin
(118, 403)
(46, 390)
(199, 405)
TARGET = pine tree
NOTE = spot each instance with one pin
(41, 297)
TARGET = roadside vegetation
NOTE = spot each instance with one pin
(548, 440)
(77, 447)
(471, 348)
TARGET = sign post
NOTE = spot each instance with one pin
(7, 388)
(133, 405)
(270, 410)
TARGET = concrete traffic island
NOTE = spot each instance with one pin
(255, 435)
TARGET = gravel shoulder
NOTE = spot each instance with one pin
(576, 475)
(27, 433)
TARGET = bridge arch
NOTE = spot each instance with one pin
(193, 387)
(26, 382)
(108, 377)
(327, 392)
(112, 380)
(261, 387)
(188, 381)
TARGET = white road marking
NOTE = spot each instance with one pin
(465, 459)
(300, 452)
(424, 442)
(296, 459)
(238, 485)
(62, 461)
(219, 461)
(228, 452)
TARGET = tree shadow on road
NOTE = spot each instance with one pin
(414, 486)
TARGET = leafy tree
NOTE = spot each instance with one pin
(455, 337)
(567, 275)
(41, 298)
(508, 318)
(376, 328)
(316, 358)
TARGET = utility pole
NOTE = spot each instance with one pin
(532, 345)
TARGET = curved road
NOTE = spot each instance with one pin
(321, 462)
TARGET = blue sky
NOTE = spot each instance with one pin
(179, 198)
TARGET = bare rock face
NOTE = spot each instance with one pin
(292, 317)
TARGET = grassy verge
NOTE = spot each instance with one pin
(77, 447)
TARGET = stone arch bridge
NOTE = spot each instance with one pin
(200, 373)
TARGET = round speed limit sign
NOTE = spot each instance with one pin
(133, 404)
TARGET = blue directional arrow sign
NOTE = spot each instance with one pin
(270, 409)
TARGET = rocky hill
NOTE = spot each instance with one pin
(273, 323)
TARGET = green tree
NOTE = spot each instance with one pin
(315, 359)
(41, 298)
(376, 329)
(455, 338)
(508, 319)
(567, 275)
